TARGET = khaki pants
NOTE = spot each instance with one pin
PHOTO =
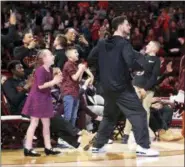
(147, 101)
(183, 118)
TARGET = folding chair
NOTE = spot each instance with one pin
(13, 127)
(98, 107)
(119, 129)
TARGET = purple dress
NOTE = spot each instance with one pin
(39, 101)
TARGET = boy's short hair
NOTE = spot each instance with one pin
(69, 49)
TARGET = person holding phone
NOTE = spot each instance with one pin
(74, 39)
(27, 52)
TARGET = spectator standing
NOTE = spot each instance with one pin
(48, 22)
(60, 44)
(27, 53)
(70, 85)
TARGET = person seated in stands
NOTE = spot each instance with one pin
(166, 80)
(85, 115)
(27, 53)
(168, 83)
(160, 120)
(16, 87)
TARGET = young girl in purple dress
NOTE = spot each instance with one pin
(39, 103)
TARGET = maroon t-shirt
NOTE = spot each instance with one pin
(69, 86)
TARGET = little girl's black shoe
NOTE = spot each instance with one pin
(31, 153)
(51, 151)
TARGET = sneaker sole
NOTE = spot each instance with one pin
(140, 154)
(95, 152)
(98, 152)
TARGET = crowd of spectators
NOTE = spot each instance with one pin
(57, 25)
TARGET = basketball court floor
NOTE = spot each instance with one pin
(117, 154)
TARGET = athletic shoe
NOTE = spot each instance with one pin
(140, 151)
(110, 141)
(63, 144)
(97, 150)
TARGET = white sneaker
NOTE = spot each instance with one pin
(140, 151)
(110, 141)
(63, 144)
(97, 150)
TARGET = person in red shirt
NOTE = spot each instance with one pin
(72, 74)
(103, 4)
(84, 5)
(163, 21)
(95, 31)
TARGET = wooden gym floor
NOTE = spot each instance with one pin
(171, 154)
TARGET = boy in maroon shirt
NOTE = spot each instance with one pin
(72, 74)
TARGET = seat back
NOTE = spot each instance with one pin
(99, 100)
(4, 102)
(96, 100)
(5, 73)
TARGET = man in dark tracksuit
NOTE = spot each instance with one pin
(116, 58)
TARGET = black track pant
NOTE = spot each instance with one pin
(128, 103)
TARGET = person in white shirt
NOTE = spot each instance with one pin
(48, 22)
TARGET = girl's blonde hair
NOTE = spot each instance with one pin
(39, 60)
